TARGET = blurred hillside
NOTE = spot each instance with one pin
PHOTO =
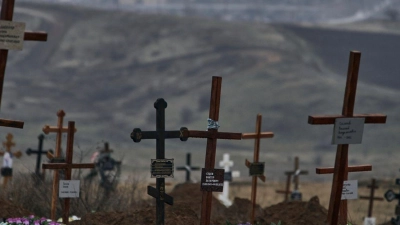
(106, 69)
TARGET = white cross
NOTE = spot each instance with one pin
(227, 164)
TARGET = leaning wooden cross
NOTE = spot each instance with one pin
(39, 153)
(7, 162)
(256, 168)
(59, 129)
(345, 133)
(67, 167)
(13, 38)
(212, 134)
(188, 167)
(371, 198)
(160, 167)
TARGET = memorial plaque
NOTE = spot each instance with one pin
(69, 189)
(369, 221)
(348, 131)
(228, 176)
(162, 168)
(212, 180)
(257, 169)
(350, 190)
(11, 35)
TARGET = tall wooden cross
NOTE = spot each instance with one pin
(7, 13)
(341, 169)
(39, 153)
(188, 167)
(371, 196)
(68, 166)
(212, 135)
(160, 135)
(59, 129)
(8, 144)
(257, 136)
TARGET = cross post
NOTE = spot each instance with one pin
(212, 135)
(160, 135)
(188, 167)
(39, 153)
(7, 13)
(59, 129)
(371, 196)
(226, 163)
(68, 166)
(257, 138)
(8, 144)
(341, 168)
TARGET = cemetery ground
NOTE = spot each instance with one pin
(130, 204)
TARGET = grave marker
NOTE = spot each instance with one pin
(390, 195)
(256, 168)
(371, 196)
(188, 167)
(212, 135)
(6, 170)
(228, 175)
(59, 129)
(7, 13)
(67, 167)
(160, 135)
(296, 194)
(341, 169)
(287, 191)
(39, 153)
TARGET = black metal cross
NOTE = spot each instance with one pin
(188, 167)
(39, 153)
(160, 135)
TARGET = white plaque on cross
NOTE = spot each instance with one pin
(369, 221)
(11, 35)
(348, 131)
(350, 190)
(69, 189)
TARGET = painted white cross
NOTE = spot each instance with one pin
(227, 164)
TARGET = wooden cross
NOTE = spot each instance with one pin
(212, 135)
(68, 166)
(8, 144)
(371, 196)
(160, 135)
(39, 153)
(287, 191)
(296, 173)
(188, 167)
(257, 136)
(7, 12)
(341, 169)
(106, 148)
(59, 129)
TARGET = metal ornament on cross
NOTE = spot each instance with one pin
(337, 212)
(259, 172)
(160, 135)
(226, 163)
(188, 168)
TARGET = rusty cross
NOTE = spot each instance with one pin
(160, 135)
(7, 12)
(39, 153)
(257, 138)
(59, 129)
(371, 196)
(341, 168)
(68, 166)
(8, 144)
(212, 135)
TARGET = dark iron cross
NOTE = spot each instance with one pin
(212, 135)
(371, 196)
(39, 153)
(7, 13)
(160, 135)
(257, 137)
(188, 167)
(341, 169)
(68, 166)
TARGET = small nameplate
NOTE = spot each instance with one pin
(257, 169)
(162, 168)
(228, 176)
(11, 35)
(69, 189)
(212, 180)
(348, 131)
(369, 221)
(350, 190)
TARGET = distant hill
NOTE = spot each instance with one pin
(106, 69)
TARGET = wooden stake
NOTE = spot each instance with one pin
(340, 172)
(68, 166)
(257, 136)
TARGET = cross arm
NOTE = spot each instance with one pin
(47, 129)
(375, 198)
(302, 172)
(67, 166)
(137, 134)
(156, 194)
(254, 135)
(361, 168)
(213, 134)
(35, 36)
(323, 119)
(31, 151)
(11, 123)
